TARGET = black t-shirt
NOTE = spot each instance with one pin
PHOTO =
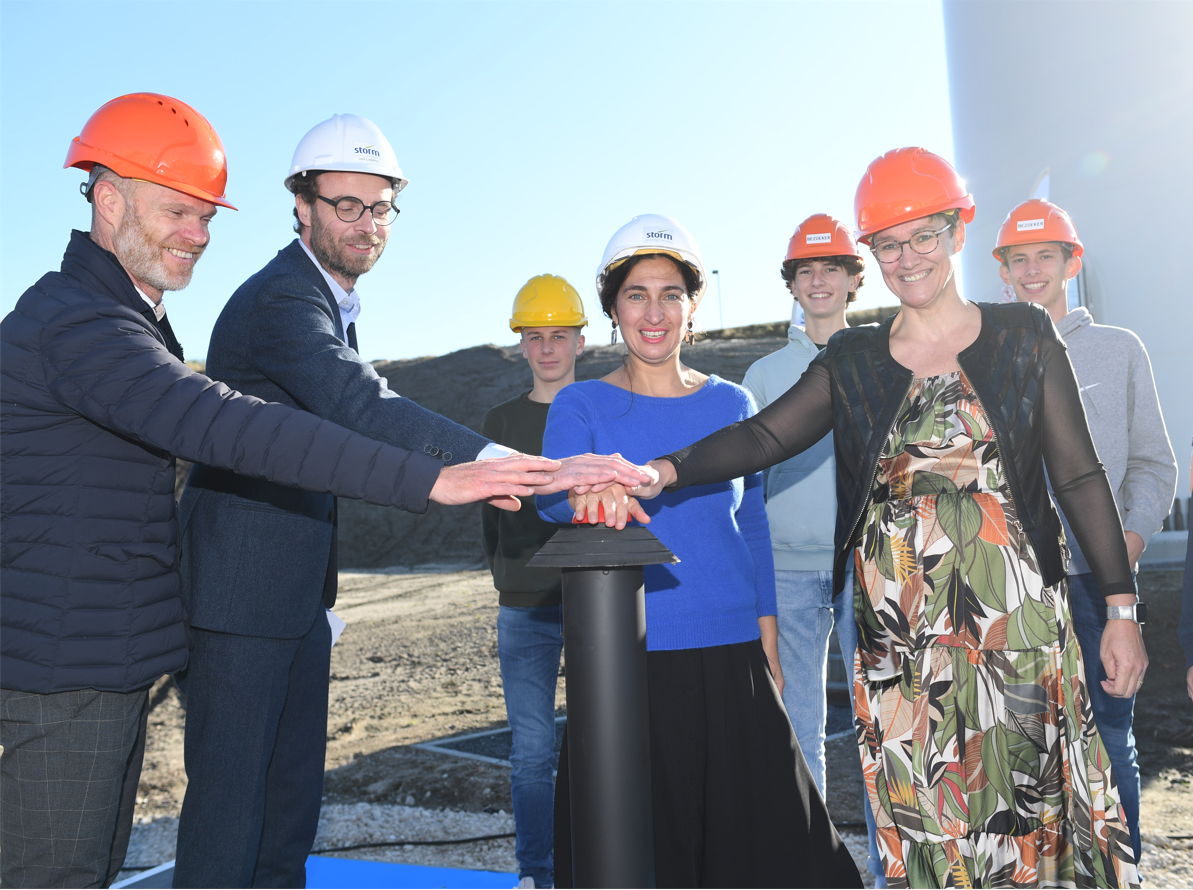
(513, 538)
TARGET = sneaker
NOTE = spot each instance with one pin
(528, 881)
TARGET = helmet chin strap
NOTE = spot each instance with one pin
(85, 188)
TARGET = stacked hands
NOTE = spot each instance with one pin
(502, 481)
(605, 485)
(615, 503)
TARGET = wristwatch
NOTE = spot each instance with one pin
(1136, 613)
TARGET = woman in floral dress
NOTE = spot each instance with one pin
(980, 753)
(978, 743)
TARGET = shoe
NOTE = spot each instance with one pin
(525, 881)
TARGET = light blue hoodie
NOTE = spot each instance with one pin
(801, 494)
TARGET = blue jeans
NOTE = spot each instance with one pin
(807, 613)
(1114, 716)
(529, 641)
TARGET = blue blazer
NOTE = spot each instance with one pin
(259, 558)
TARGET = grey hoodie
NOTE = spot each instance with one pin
(801, 493)
(1119, 394)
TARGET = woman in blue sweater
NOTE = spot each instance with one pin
(733, 801)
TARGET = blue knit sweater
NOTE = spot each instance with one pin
(725, 580)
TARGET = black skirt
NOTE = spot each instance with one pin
(733, 802)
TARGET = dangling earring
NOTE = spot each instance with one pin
(613, 336)
(691, 335)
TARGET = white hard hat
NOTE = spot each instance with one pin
(348, 143)
(652, 233)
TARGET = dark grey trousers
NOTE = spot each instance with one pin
(68, 784)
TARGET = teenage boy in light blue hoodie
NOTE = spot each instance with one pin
(823, 271)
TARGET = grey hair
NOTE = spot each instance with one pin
(99, 173)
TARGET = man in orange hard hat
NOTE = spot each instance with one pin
(97, 401)
(1039, 252)
(260, 628)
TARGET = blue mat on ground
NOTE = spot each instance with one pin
(329, 871)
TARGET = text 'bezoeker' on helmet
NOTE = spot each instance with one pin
(821, 236)
(653, 233)
(346, 143)
(1035, 221)
(547, 301)
(906, 184)
(157, 139)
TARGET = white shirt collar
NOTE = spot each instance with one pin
(348, 301)
(159, 308)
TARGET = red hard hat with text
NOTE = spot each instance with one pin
(820, 236)
(1035, 221)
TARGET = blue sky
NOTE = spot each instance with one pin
(530, 131)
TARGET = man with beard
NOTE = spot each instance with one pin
(259, 559)
(97, 400)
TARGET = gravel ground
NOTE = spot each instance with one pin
(346, 825)
(418, 663)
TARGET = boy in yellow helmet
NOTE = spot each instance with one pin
(549, 317)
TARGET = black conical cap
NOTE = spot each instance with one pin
(596, 546)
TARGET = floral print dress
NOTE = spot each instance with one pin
(981, 758)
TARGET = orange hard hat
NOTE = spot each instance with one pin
(819, 236)
(1035, 221)
(906, 184)
(158, 139)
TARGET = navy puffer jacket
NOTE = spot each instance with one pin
(92, 407)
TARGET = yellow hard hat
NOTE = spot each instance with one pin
(547, 301)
